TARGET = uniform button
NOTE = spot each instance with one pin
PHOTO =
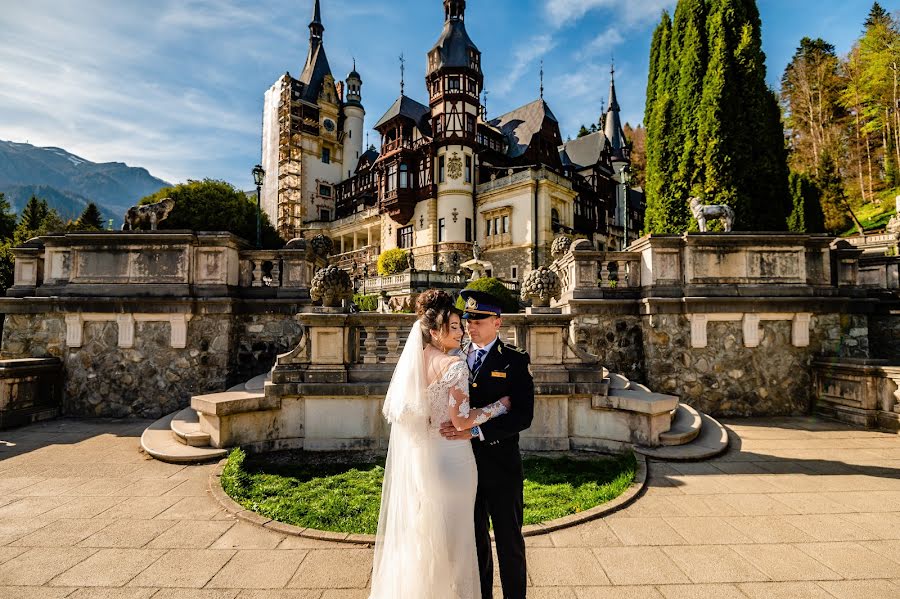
(474, 384)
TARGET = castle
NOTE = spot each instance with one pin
(447, 176)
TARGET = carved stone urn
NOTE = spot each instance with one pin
(331, 285)
(560, 246)
(321, 246)
(540, 286)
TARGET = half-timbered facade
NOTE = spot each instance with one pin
(447, 177)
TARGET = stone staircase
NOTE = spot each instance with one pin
(177, 438)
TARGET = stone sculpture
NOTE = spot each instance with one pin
(321, 246)
(331, 285)
(297, 243)
(560, 246)
(540, 285)
(704, 212)
(410, 261)
(138, 217)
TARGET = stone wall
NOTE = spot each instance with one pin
(33, 336)
(884, 336)
(725, 378)
(617, 339)
(257, 340)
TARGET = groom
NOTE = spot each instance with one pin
(497, 370)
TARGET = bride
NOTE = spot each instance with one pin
(425, 545)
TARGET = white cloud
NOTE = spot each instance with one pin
(525, 56)
(622, 12)
(602, 45)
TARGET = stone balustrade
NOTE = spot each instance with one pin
(879, 272)
(30, 390)
(155, 264)
(862, 392)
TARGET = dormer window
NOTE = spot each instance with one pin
(453, 84)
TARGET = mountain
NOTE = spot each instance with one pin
(71, 180)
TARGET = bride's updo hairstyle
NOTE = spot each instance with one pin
(434, 308)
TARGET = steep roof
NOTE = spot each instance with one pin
(584, 151)
(409, 108)
(316, 68)
(613, 129)
(521, 125)
(453, 46)
(367, 159)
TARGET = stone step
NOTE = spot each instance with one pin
(712, 441)
(257, 383)
(686, 424)
(618, 381)
(159, 442)
(186, 428)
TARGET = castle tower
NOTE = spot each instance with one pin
(302, 148)
(354, 119)
(454, 80)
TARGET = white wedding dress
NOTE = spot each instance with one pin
(425, 546)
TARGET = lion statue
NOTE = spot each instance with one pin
(704, 212)
(138, 217)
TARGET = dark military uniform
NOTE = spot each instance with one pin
(504, 371)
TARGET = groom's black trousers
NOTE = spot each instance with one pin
(503, 503)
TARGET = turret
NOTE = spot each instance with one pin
(354, 119)
(613, 126)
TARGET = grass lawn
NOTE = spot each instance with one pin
(876, 214)
(339, 493)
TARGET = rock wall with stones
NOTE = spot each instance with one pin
(618, 340)
(257, 340)
(884, 337)
(728, 379)
(151, 379)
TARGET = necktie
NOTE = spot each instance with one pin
(479, 356)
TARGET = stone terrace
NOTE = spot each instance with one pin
(798, 508)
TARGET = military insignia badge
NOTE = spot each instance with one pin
(471, 304)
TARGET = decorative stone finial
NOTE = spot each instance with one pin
(321, 246)
(540, 285)
(331, 285)
(560, 246)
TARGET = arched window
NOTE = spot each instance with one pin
(554, 216)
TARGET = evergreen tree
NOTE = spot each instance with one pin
(583, 131)
(689, 32)
(666, 213)
(33, 214)
(7, 218)
(807, 215)
(835, 204)
(741, 135)
(877, 16)
(90, 218)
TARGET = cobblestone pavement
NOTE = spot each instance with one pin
(798, 508)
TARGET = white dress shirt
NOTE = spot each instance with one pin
(473, 351)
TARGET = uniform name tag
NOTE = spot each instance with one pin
(498, 374)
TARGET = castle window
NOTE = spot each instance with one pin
(453, 84)
(326, 156)
(442, 229)
(497, 227)
(404, 176)
(468, 169)
(405, 237)
(488, 231)
(324, 214)
(470, 123)
(505, 223)
(325, 190)
(514, 270)
(441, 169)
(391, 178)
(469, 230)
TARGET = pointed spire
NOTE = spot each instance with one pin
(542, 79)
(402, 74)
(613, 123)
(316, 28)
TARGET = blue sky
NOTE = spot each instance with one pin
(177, 86)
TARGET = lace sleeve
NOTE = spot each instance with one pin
(457, 378)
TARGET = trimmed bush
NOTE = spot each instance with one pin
(366, 303)
(391, 262)
(493, 286)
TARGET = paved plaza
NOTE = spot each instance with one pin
(797, 508)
